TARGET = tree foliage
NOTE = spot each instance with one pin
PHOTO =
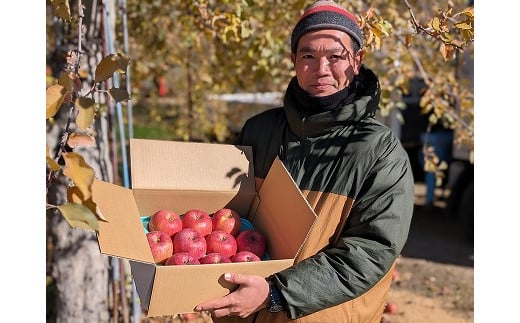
(65, 94)
(208, 47)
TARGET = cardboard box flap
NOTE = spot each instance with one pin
(283, 213)
(178, 289)
(123, 233)
(175, 165)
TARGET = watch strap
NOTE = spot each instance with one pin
(275, 299)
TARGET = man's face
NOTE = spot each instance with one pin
(325, 62)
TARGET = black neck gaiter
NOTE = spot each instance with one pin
(311, 103)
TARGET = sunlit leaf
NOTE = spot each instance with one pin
(55, 96)
(463, 25)
(109, 65)
(74, 195)
(469, 12)
(86, 112)
(119, 94)
(79, 216)
(436, 24)
(80, 140)
(53, 165)
(79, 172)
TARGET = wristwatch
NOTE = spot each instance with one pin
(275, 301)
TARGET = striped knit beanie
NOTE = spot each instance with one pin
(326, 14)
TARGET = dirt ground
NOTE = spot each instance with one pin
(435, 272)
(435, 281)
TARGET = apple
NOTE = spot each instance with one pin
(222, 242)
(191, 241)
(198, 220)
(252, 240)
(227, 220)
(161, 245)
(390, 308)
(190, 317)
(395, 275)
(181, 258)
(215, 258)
(245, 256)
(166, 221)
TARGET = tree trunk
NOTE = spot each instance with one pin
(79, 271)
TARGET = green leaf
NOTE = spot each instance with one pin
(79, 216)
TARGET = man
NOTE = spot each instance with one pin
(352, 170)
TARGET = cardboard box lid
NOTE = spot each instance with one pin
(283, 213)
(176, 165)
(122, 235)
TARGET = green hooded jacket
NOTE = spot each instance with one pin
(347, 153)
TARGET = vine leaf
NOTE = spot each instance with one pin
(53, 165)
(80, 140)
(79, 216)
(109, 65)
(55, 97)
(86, 112)
(79, 172)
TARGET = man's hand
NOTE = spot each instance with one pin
(251, 295)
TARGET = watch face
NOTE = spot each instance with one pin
(275, 308)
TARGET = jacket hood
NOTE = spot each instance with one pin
(306, 123)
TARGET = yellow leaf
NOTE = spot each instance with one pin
(55, 96)
(74, 196)
(79, 216)
(469, 12)
(79, 172)
(119, 94)
(109, 65)
(53, 165)
(436, 24)
(86, 112)
(80, 140)
(61, 9)
(464, 25)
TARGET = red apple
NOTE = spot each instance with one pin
(166, 221)
(395, 275)
(391, 308)
(198, 220)
(222, 242)
(181, 258)
(227, 220)
(161, 246)
(214, 258)
(252, 240)
(191, 241)
(245, 256)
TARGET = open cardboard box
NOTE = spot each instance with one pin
(186, 175)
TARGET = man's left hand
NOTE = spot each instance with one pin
(251, 295)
